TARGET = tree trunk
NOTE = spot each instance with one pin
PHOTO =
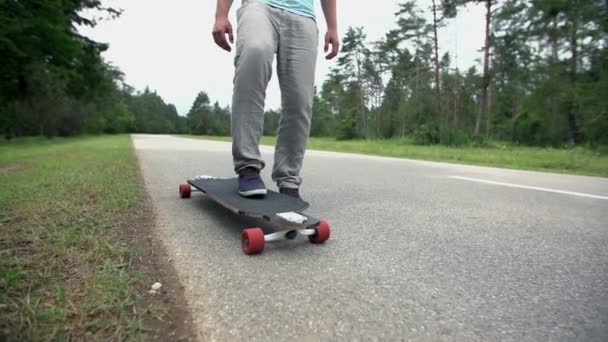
(436, 43)
(361, 104)
(379, 117)
(554, 61)
(456, 98)
(572, 133)
(488, 110)
(516, 105)
(515, 109)
(486, 71)
(364, 123)
(418, 64)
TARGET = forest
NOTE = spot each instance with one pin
(542, 79)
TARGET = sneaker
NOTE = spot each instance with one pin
(250, 182)
(293, 192)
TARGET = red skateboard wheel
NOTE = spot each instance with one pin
(252, 240)
(323, 233)
(184, 190)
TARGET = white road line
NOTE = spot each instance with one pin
(572, 193)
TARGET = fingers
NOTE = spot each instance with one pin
(331, 38)
(219, 37)
(335, 47)
(222, 28)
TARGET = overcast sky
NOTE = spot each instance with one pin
(167, 45)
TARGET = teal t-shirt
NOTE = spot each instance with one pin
(301, 7)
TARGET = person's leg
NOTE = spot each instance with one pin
(256, 44)
(297, 54)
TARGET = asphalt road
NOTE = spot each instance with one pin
(419, 251)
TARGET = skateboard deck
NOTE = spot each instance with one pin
(283, 211)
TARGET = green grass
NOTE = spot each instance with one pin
(65, 266)
(571, 160)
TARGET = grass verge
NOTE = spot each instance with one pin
(576, 160)
(69, 210)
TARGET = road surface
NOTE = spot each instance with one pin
(419, 251)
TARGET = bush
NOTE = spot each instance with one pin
(426, 134)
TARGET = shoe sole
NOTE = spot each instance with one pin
(256, 192)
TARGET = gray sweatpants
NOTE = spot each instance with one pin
(262, 32)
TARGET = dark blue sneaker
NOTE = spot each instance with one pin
(250, 183)
(293, 192)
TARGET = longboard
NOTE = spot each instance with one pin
(284, 212)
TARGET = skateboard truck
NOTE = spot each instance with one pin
(289, 234)
(254, 240)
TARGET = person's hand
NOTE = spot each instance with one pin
(222, 28)
(331, 38)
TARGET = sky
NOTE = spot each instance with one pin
(167, 45)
